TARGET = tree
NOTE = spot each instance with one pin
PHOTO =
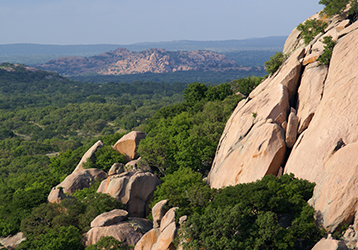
(271, 213)
(184, 189)
(334, 7)
(275, 62)
(108, 243)
(329, 44)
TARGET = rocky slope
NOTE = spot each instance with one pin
(122, 61)
(302, 120)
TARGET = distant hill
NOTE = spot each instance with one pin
(122, 61)
(32, 54)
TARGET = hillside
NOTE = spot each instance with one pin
(122, 61)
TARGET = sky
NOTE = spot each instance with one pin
(65, 22)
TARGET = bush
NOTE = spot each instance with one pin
(275, 62)
(108, 243)
(329, 44)
(184, 189)
(272, 213)
(334, 7)
(311, 28)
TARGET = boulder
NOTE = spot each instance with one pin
(12, 241)
(330, 244)
(160, 239)
(148, 240)
(117, 168)
(166, 238)
(309, 93)
(110, 218)
(250, 148)
(128, 232)
(89, 155)
(315, 156)
(132, 165)
(168, 218)
(78, 180)
(158, 211)
(128, 144)
(56, 195)
(134, 189)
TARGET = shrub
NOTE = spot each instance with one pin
(184, 189)
(329, 44)
(334, 7)
(275, 62)
(311, 28)
(272, 213)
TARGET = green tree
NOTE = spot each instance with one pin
(272, 213)
(311, 28)
(329, 44)
(108, 243)
(184, 189)
(334, 7)
(275, 62)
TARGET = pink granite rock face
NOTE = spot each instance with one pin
(128, 144)
(128, 232)
(330, 244)
(317, 155)
(250, 147)
(310, 93)
(88, 155)
(78, 180)
(134, 189)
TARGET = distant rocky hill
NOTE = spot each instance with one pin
(122, 61)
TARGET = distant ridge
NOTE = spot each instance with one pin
(122, 61)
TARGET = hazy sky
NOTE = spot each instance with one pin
(133, 21)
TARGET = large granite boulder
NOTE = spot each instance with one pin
(160, 238)
(128, 232)
(110, 218)
(76, 181)
(330, 244)
(251, 146)
(134, 189)
(89, 155)
(128, 144)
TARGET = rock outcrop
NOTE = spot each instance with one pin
(134, 189)
(89, 155)
(330, 244)
(323, 136)
(162, 235)
(122, 61)
(251, 145)
(12, 241)
(128, 144)
(128, 232)
(77, 181)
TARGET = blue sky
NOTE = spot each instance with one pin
(133, 21)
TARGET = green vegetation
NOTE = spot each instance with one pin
(275, 62)
(108, 243)
(329, 44)
(43, 113)
(187, 134)
(334, 7)
(184, 189)
(246, 85)
(311, 28)
(209, 77)
(268, 214)
(60, 226)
